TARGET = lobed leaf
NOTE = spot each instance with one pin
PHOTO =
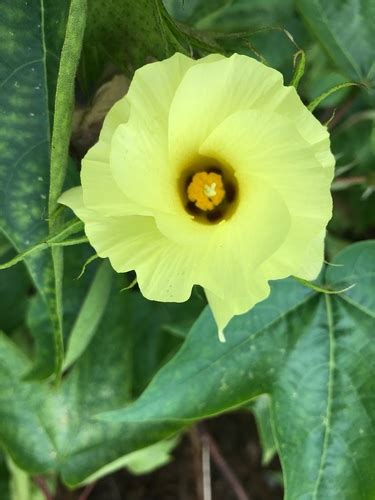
(312, 355)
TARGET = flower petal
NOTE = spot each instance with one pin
(139, 156)
(229, 253)
(312, 260)
(100, 191)
(223, 309)
(167, 270)
(73, 198)
(208, 94)
(164, 270)
(117, 115)
(141, 168)
(269, 146)
(287, 102)
(139, 153)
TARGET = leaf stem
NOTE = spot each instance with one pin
(42, 485)
(87, 491)
(315, 103)
(59, 239)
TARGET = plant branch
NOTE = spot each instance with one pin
(223, 466)
(42, 485)
(87, 491)
(197, 461)
(338, 114)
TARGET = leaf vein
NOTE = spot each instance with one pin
(16, 70)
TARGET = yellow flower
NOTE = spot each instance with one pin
(208, 172)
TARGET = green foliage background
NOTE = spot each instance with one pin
(135, 374)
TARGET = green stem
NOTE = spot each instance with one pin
(59, 239)
(64, 103)
(326, 94)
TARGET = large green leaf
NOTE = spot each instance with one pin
(30, 42)
(261, 408)
(346, 29)
(254, 28)
(158, 329)
(23, 431)
(14, 288)
(128, 34)
(312, 354)
(60, 419)
(351, 142)
(195, 10)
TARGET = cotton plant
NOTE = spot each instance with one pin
(185, 213)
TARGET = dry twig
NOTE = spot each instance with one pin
(222, 465)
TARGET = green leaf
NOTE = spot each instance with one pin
(148, 459)
(27, 76)
(312, 354)
(261, 409)
(70, 440)
(22, 485)
(90, 314)
(22, 428)
(141, 461)
(128, 34)
(196, 11)
(255, 28)
(346, 30)
(44, 425)
(181, 317)
(102, 378)
(14, 288)
(75, 293)
(157, 330)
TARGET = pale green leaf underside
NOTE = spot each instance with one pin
(90, 314)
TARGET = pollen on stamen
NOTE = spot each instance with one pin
(206, 190)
